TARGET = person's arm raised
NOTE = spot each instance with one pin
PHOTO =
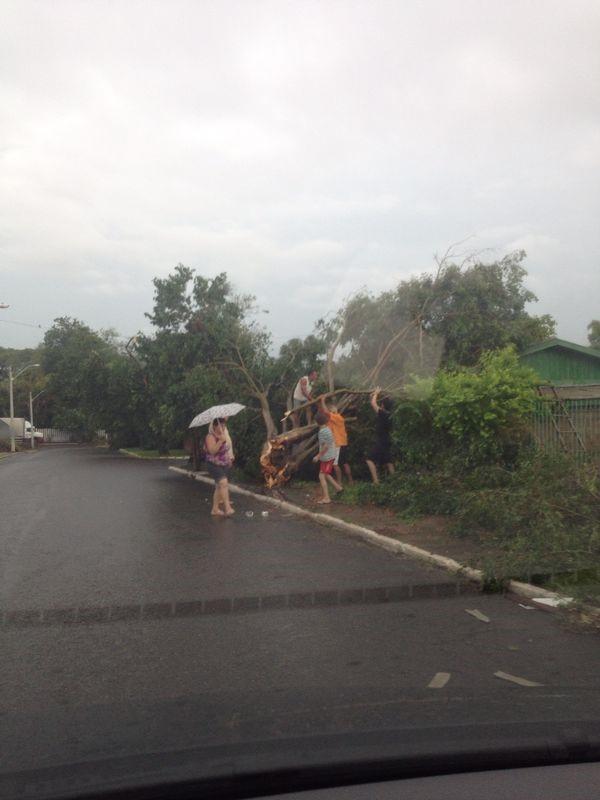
(374, 404)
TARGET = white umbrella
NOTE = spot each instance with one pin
(216, 412)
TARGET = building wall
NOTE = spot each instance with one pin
(558, 365)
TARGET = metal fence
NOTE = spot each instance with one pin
(62, 436)
(58, 435)
(569, 426)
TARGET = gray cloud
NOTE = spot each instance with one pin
(307, 148)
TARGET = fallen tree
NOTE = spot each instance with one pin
(283, 454)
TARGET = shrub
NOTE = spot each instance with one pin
(471, 417)
(483, 411)
(544, 514)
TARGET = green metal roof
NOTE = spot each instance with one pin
(554, 342)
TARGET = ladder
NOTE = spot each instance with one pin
(568, 435)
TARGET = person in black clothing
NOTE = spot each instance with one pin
(381, 454)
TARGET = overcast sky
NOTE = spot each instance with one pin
(307, 148)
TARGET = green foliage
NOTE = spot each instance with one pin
(194, 359)
(417, 442)
(471, 415)
(482, 410)
(446, 318)
(594, 333)
(481, 307)
(381, 342)
(411, 493)
(76, 360)
(466, 454)
(544, 514)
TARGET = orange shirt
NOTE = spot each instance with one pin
(337, 425)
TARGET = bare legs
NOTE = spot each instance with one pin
(221, 496)
(323, 479)
(373, 470)
(347, 472)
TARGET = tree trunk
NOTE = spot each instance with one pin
(265, 409)
(285, 453)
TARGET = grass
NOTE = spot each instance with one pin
(140, 453)
(583, 586)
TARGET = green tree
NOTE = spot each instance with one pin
(207, 349)
(594, 333)
(448, 317)
(475, 307)
(89, 380)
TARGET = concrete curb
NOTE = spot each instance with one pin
(526, 590)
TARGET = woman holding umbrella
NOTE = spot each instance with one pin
(218, 451)
(219, 458)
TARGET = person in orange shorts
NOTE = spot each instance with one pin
(337, 424)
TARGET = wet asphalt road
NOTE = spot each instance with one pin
(134, 622)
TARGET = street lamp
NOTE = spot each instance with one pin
(31, 399)
(11, 379)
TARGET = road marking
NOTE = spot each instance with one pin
(505, 676)
(439, 680)
(477, 614)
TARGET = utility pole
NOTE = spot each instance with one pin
(12, 409)
(31, 421)
(31, 399)
(11, 380)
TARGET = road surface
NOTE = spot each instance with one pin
(133, 622)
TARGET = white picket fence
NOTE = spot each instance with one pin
(61, 436)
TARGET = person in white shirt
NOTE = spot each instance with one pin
(302, 395)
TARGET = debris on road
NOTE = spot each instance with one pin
(553, 602)
(505, 676)
(529, 608)
(249, 514)
(477, 614)
(264, 513)
(439, 680)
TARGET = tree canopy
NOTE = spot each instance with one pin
(594, 333)
(207, 347)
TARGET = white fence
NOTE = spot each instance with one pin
(61, 436)
(57, 435)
